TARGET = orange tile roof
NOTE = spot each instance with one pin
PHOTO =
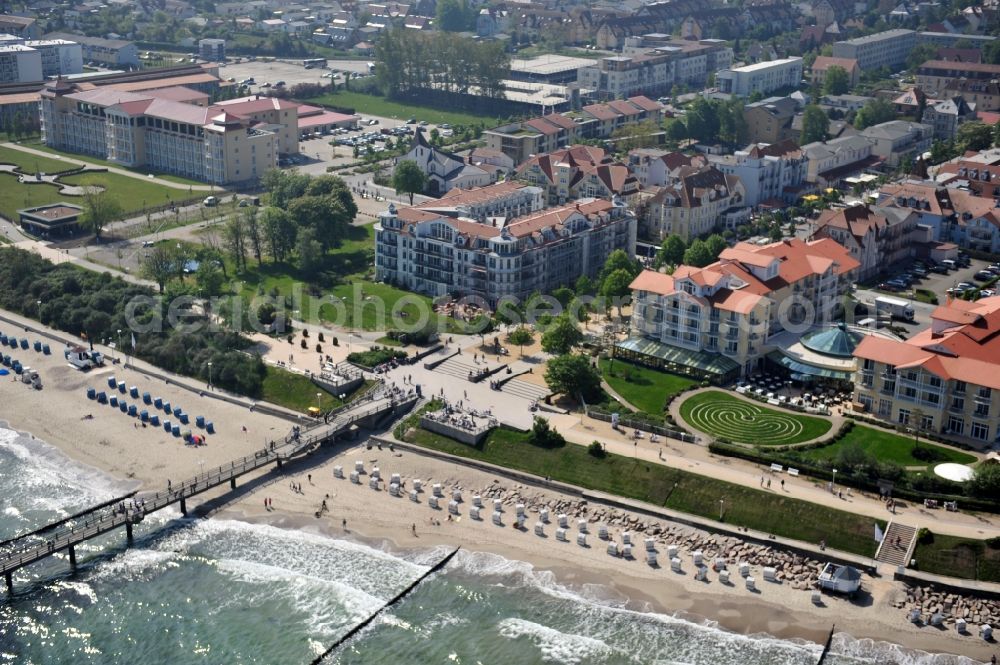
(739, 301)
(966, 348)
(654, 282)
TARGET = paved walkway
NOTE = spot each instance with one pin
(696, 458)
(57, 256)
(111, 169)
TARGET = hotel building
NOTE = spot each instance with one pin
(209, 143)
(721, 319)
(762, 77)
(493, 242)
(949, 373)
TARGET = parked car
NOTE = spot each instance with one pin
(983, 275)
(987, 293)
(938, 268)
(210, 201)
(888, 286)
(919, 272)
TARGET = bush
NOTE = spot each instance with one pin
(595, 449)
(925, 536)
(375, 356)
(927, 454)
(543, 436)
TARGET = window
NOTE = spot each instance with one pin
(884, 408)
(904, 417)
(956, 425)
(984, 393)
(869, 364)
(980, 431)
(935, 381)
(958, 403)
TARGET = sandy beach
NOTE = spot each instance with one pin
(117, 443)
(377, 518)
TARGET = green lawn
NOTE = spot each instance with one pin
(772, 512)
(32, 163)
(887, 447)
(38, 145)
(133, 194)
(959, 557)
(645, 388)
(298, 392)
(366, 305)
(723, 415)
(366, 104)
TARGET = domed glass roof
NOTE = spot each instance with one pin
(836, 341)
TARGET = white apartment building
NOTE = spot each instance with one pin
(883, 49)
(20, 64)
(830, 161)
(719, 319)
(762, 77)
(768, 172)
(898, 140)
(439, 251)
(59, 56)
(142, 130)
(655, 71)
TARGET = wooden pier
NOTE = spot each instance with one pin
(66, 534)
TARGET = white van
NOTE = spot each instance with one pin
(210, 201)
(949, 264)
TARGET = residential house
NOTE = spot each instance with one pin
(579, 172)
(829, 162)
(898, 140)
(24, 27)
(653, 167)
(876, 238)
(953, 215)
(946, 117)
(935, 75)
(770, 173)
(823, 63)
(696, 202)
(770, 120)
(444, 170)
(985, 95)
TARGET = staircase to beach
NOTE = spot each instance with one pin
(891, 553)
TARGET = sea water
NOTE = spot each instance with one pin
(230, 592)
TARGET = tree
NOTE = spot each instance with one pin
(564, 295)
(716, 244)
(573, 375)
(310, 250)
(584, 286)
(974, 136)
(99, 208)
(279, 232)
(985, 483)
(521, 336)
(814, 125)
(619, 260)
(453, 15)
(283, 186)
(919, 55)
(325, 215)
(158, 265)
(407, 178)
(544, 436)
(209, 278)
(561, 336)
(234, 237)
(942, 151)
(991, 52)
(874, 112)
(702, 121)
(837, 81)
(698, 254)
(615, 287)
(254, 232)
(676, 131)
(672, 250)
(636, 135)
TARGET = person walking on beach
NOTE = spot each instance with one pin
(343, 523)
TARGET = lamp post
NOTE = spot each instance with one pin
(319, 396)
(39, 303)
(722, 504)
(119, 342)
(833, 488)
(209, 374)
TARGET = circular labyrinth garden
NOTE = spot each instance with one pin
(722, 415)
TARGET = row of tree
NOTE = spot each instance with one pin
(94, 305)
(409, 61)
